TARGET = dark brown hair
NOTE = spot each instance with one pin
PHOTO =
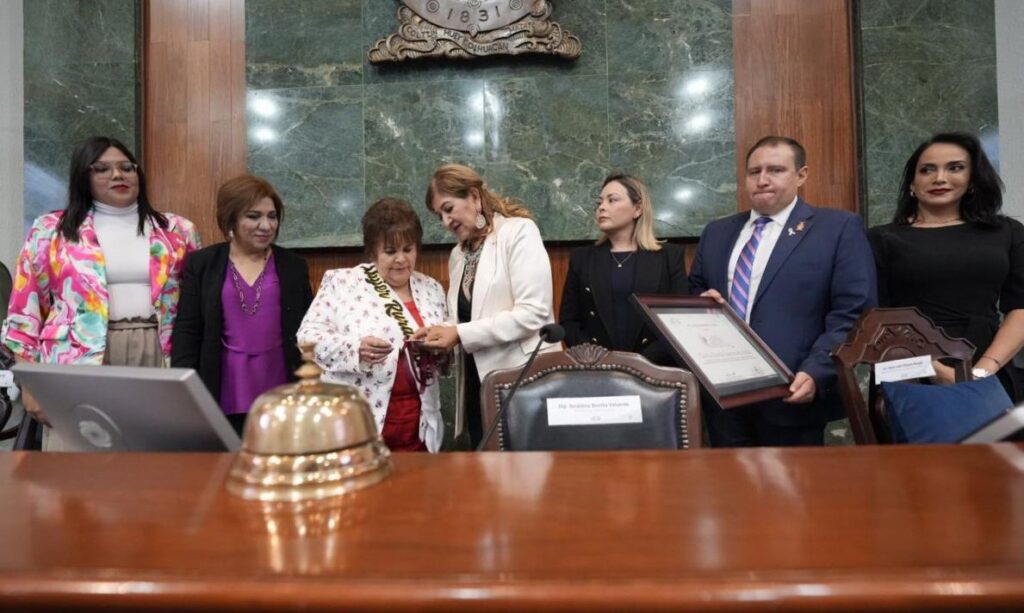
(390, 221)
(238, 195)
(984, 198)
(80, 187)
(799, 153)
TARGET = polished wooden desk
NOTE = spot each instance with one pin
(849, 528)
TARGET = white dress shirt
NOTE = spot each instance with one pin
(770, 236)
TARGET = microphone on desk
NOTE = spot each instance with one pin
(550, 333)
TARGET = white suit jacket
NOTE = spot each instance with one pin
(345, 310)
(512, 299)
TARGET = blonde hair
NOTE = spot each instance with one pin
(643, 228)
(457, 180)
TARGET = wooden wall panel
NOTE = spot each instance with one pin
(194, 104)
(434, 262)
(794, 77)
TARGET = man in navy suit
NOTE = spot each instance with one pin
(800, 276)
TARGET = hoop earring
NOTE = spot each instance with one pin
(481, 221)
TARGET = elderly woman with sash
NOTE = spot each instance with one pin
(361, 321)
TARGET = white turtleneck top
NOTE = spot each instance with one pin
(127, 257)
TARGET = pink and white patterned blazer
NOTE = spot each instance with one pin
(58, 310)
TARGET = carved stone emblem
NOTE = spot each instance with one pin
(466, 29)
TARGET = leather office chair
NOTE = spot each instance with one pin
(881, 335)
(669, 399)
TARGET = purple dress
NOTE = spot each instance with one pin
(252, 361)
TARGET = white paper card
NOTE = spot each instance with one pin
(907, 368)
(594, 411)
(718, 346)
(6, 378)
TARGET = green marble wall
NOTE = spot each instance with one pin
(651, 95)
(926, 66)
(80, 81)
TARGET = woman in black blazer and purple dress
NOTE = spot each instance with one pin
(242, 302)
(626, 260)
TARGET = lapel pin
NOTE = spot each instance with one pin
(791, 232)
(800, 227)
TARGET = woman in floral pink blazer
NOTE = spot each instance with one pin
(108, 242)
(56, 279)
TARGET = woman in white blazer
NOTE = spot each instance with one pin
(362, 317)
(500, 284)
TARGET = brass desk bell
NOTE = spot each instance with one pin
(308, 440)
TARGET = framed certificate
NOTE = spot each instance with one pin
(732, 362)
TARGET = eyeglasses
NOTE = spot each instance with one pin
(105, 169)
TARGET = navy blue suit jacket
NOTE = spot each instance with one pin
(820, 277)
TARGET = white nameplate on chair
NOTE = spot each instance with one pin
(599, 410)
(907, 368)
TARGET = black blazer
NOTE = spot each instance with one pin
(196, 342)
(587, 311)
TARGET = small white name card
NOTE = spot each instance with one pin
(594, 411)
(6, 378)
(907, 368)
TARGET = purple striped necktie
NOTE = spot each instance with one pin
(739, 291)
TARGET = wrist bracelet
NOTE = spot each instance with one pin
(998, 363)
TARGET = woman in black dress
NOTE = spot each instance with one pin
(626, 260)
(950, 253)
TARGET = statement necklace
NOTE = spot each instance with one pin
(471, 259)
(258, 285)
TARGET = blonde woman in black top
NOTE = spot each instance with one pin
(626, 260)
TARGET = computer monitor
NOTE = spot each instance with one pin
(1007, 427)
(121, 408)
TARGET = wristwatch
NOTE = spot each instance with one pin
(980, 373)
